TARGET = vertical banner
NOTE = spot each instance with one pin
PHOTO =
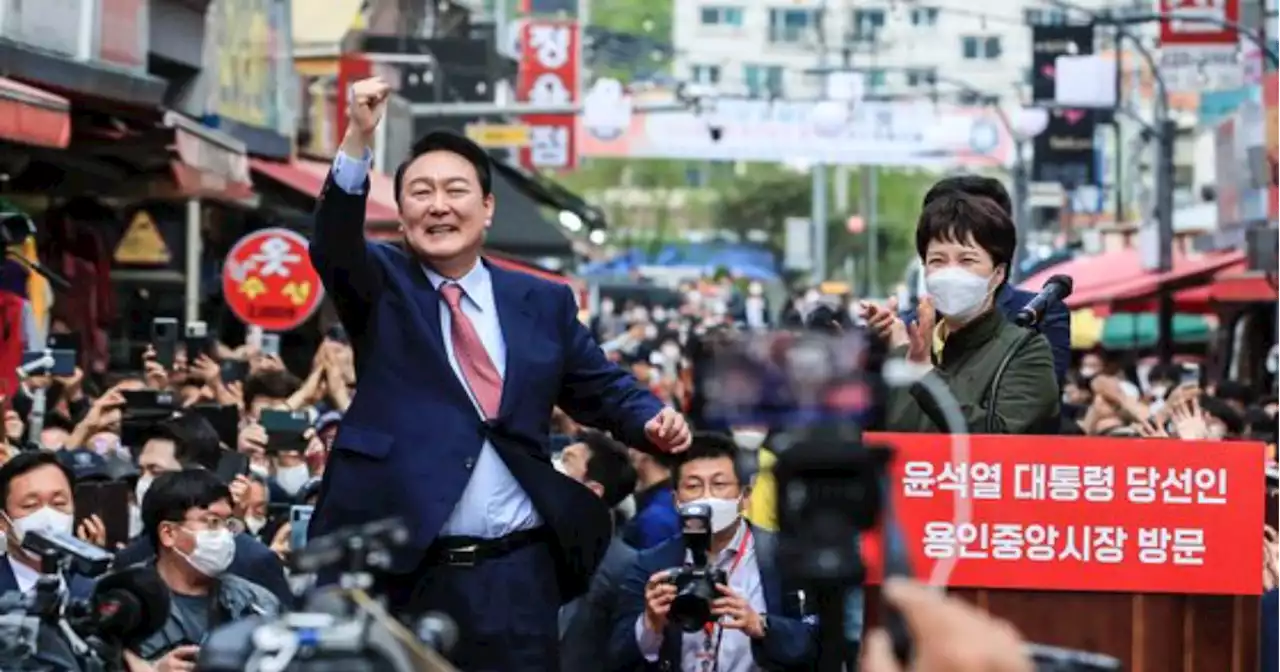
(549, 76)
(1198, 52)
(1065, 151)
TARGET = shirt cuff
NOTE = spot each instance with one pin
(350, 173)
(649, 642)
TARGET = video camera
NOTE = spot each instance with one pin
(340, 627)
(696, 582)
(45, 630)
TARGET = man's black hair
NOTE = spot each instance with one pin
(25, 463)
(175, 493)
(710, 446)
(448, 141)
(272, 384)
(958, 218)
(610, 466)
(195, 441)
(1170, 372)
(1231, 390)
(978, 186)
(1218, 408)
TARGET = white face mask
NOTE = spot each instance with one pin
(260, 470)
(135, 520)
(558, 463)
(749, 439)
(672, 352)
(255, 524)
(1089, 371)
(957, 293)
(140, 490)
(755, 290)
(1159, 392)
(214, 551)
(47, 519)
(291, 479)
(650, 332)
(812, 296)
(724, 512)
(659, 314)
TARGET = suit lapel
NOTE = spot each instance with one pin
(516, 319)
(428, 302)
(766, 555)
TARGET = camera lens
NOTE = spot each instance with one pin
(695, 589)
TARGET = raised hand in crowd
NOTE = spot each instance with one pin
(1152, 428)
(280, 544)
(72, 386)
(1270, 558)
(153, 372)
(239, 488)
(93, 531)
(920, 332)
(1189, 421)
(659, 593)
(949, 635)
(181, 659)
(104, 413)
(252, 441)
(883, 320)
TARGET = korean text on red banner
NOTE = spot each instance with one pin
(549, 76)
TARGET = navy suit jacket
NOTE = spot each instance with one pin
(1270, 631)
(79, 587)
(408, 443)
(790, 643)
(1056, 325)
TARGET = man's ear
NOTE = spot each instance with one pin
(490, 206)
(595, 487)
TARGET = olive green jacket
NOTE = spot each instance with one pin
(1028, 398)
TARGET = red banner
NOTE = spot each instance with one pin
(1082, 514)
(549, 76)
(1196, 33)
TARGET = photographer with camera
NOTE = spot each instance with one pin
(187, 441)
(670, 615)
(187, 516)
(37, 494)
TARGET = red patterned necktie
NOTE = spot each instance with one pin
(477, 368)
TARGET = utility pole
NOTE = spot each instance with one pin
(818, 207)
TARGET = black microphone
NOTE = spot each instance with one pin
(1055, 289)
(129, 605)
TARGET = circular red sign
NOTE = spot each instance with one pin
(269, 282)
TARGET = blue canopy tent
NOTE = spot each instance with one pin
(751, 261)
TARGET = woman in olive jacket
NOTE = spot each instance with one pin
(1001, 374)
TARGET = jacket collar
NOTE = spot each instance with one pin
(981, 330)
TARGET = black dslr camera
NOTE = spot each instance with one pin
(695, 583)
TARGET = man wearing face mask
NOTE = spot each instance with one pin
(189, 441)
(187, 516)
(1004, 382)
(760, 625)
(37, 495)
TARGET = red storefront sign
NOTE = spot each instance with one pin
(549, 76)
(1176, 31)
(269, 282)
(122, 32)
(1082, 514)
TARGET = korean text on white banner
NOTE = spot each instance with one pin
(1199, 45)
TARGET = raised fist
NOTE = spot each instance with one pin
(366, 104)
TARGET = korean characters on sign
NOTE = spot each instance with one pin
(1141, 518)
(549, 51)
(268, 280)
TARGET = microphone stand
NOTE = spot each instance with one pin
(35, 421)
(57, 281)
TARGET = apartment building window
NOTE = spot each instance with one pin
(924, 16)
(791, 25)
(1040, 16)
(876, 78)
(975, 48)
(763, 81)
(705, 74)
(867, 24)
(722, 16)
(922, 77)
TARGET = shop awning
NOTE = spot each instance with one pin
(522, 267)
(307, 177)
(1230, 284)
(31, 116)
(210, 163)
(1105, 279)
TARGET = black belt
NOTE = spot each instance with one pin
(471, 551)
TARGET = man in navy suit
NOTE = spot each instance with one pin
(1056, 325)
(760, 625)
(460, 363)
(36, 491)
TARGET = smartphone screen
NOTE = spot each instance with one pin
(164, 338)
(196, 340)
(63, 364)
(109, 501)
(233, 370)
(284, 422)
(271, 344)
(299, 519)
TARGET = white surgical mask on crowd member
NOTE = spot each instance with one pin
(650, 332)
(557, 461)
(140, 489)
(1159, 392)
(259, 469)
(46, 519)
(1089, 371)
(671, 352)
(812, 296)
(749, 439)
(958, 293)
(606, 307)
(255, 524)
(214, 551)
(135, 520)
(724, 512)
(659, 314)
(291, 479)
(755, 289)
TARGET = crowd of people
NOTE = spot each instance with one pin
(539, 462)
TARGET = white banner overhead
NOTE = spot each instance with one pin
(905, 134)
(1199, 45)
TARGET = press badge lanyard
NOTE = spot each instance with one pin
(710, 653)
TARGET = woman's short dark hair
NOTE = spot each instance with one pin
(959, 218)
(175, 493)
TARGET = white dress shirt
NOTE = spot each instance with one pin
(735, 646)
(493, 504)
